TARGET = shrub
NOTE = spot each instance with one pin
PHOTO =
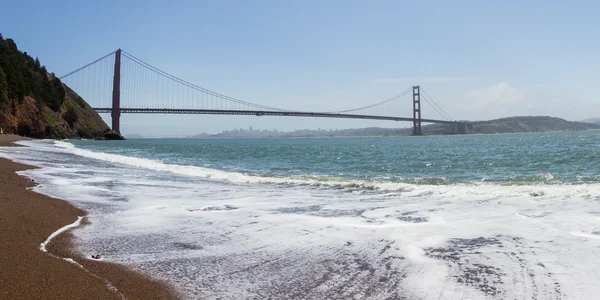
(80, 101)
(71, 116)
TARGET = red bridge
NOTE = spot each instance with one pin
(149, 90)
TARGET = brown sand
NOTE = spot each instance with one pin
(26, 220)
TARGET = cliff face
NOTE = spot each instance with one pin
(35, 103)
(74, 119)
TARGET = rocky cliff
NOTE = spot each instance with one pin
(35, 103)
(74, 119)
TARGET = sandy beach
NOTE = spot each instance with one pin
(26, 221)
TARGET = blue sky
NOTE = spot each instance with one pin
(477, 59)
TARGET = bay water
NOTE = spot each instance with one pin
(436, 217)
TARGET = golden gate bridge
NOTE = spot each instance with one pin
(137, 87)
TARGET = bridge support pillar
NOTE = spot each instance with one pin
(116, 96)
(417, 110)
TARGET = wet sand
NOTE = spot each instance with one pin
(26, 220)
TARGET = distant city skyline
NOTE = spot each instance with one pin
(478, 60)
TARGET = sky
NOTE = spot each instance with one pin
(477, 59)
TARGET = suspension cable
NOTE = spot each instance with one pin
(436, 106)
(97, 60)
(373, 105)
(239, 101)
(195, 87)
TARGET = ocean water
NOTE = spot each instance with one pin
(513, 216)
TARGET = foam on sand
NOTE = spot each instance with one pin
(75, 224)
(59, 231)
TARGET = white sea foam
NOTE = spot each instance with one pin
(75, 224)
(218, 174)
(454, 190)
(59, 231)
(231, 238)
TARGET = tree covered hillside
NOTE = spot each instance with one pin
(37, 104)
(21, 75)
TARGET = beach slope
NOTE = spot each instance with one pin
(26, 220)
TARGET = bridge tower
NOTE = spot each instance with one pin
(417, 110)
(116, 96)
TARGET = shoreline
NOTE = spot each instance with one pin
(27, 222)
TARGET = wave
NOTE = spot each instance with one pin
(233, 177)
(423, 186)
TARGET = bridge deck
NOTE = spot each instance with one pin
(263, 113)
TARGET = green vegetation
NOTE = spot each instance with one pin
(516, 124)
(3, 87)
(530, 124)
(71, 116)
(36, 104)
(80, 101)
(50, 117)
(21, 75)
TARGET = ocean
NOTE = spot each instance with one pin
(438, 217)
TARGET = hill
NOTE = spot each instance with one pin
(517, 124)
(35, 103)
(592, 120)
(357, 132)
(504, 125)
(530, 124)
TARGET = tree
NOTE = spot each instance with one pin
(3, 87)
(25, 76)
(36, 66)
(71, 116)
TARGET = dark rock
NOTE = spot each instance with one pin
(413, 219)
(217, 208)
(113, 135)
(187, 246)
(96, 256)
